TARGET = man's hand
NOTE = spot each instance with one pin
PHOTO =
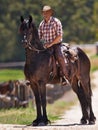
(47, 45)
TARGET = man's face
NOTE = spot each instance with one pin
(47, 15)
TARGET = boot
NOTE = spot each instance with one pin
(63, 67)
(63, 81)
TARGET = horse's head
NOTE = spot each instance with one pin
(27, 31)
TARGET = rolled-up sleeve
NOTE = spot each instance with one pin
(40, 32)
(59, 29)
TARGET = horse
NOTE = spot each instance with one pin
(39, 65)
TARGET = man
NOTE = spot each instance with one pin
(50, 31)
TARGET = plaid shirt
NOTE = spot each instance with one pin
(50, 30)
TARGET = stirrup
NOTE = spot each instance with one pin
(63, 80)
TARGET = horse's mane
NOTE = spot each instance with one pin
(36, 41)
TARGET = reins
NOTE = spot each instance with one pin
(35, 49)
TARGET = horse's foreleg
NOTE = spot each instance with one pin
(38, 105)
(43, 102)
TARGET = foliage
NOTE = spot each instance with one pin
(96, 19)
(77, 17)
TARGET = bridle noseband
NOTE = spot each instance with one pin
(29, 45)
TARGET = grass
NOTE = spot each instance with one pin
(11, 74)
(27, 115)
(17, 116)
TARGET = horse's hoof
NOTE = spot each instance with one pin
(47, 121)
(41, 124)
(38, 123)
(35, 123)
(92, 121)
(83, 121)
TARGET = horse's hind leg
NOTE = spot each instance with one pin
(84, 104)
(82, 98)
(84, 94)
(88, 93)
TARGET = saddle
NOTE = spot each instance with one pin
(69, 54)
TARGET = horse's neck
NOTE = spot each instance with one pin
(33, 56)
(29, 56)
(37, 44)
(36, 41)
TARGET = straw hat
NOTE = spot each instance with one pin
(47, 8)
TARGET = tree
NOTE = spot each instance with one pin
(76, 17)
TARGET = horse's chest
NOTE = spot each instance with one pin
(35, 68)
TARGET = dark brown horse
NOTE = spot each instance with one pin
(38, 67)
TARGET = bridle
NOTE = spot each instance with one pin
(29, 45)
(26, 31)
(32, 48)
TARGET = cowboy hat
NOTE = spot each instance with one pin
(47, 8)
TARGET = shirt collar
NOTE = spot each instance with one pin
(49, 20)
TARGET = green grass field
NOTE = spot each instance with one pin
(11, 74)
(27, 115)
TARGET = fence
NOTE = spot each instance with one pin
(12, 65)
(17, 94)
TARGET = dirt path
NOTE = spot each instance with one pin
(70, 119)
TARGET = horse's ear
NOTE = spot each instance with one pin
(30, 18)
(21, 18)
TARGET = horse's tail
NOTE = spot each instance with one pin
(84, 67)
(83, 61)
(83, 57)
